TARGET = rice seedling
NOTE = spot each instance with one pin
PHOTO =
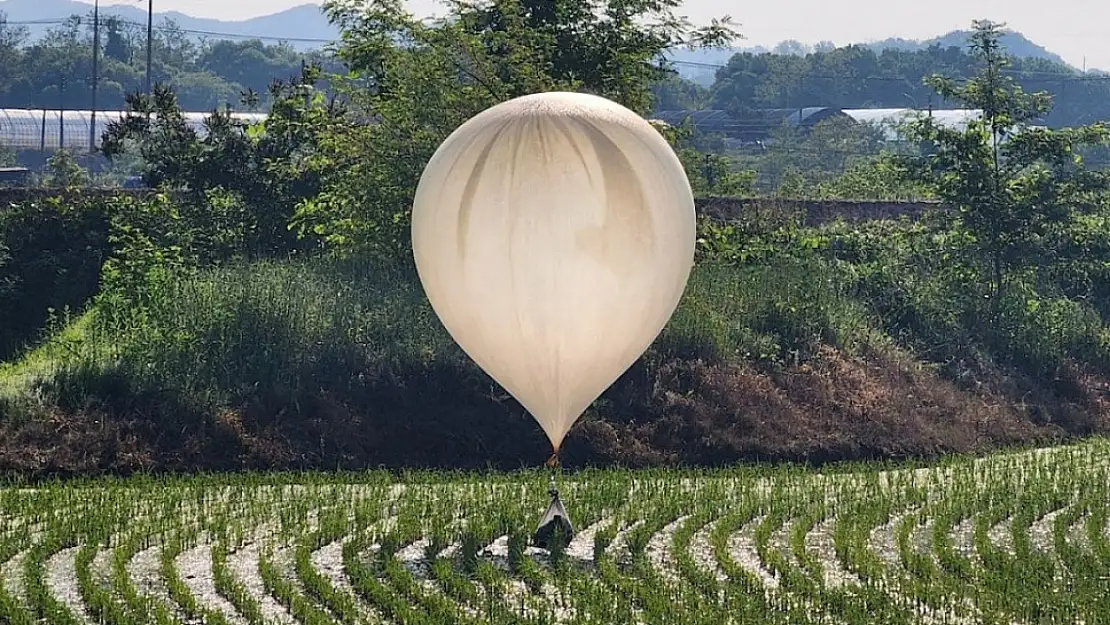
(1013, 538)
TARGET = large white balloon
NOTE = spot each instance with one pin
(554, 234)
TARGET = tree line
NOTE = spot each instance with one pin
(56, 70)
(856, 76)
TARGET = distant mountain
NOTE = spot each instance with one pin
(303, 26)
(1016, 44)
(701, 65)
(306, 26)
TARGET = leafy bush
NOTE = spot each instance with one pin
(1038, 334)
(774, 314)
(65, 171)
(927, 296)
(51, 251)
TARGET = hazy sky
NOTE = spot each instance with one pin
(1073, 29)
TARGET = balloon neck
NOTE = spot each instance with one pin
(553, 464)
(553, 461)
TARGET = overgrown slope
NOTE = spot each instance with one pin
(831, 344)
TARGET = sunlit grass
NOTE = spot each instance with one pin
(295, 327)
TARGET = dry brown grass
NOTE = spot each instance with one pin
(878, 406)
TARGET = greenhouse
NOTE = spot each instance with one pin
(47, 130)
(751, 124)
(889, 120)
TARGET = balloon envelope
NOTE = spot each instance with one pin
(554, 234)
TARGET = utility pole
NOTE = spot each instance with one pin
(801, 101)
(95, 75)
(62, 112)
(149, 44)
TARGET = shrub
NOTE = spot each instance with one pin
(774, 314)
(54, 250)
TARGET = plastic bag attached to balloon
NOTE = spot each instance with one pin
(555, 528)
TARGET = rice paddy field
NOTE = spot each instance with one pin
(1018, 538)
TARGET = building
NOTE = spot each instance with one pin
(755, 126)
(14, 176)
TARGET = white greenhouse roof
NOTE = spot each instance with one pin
(889, 119)
(23, 129)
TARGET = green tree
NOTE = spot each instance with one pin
(248, 64)
(418, 91)
(675, 93)
(871, 179)
(238, 184)
(40, 72)
(204, 91)
(11, 40)
(116, 46)
(709, 173)
(55, 247)
(1011, 185)
(63, 170)
(857, 76)
(797, 161)
(172, 45)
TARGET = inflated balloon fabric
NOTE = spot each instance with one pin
(554, 234)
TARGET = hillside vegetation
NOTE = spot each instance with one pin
(262, 310)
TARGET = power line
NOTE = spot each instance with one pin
(1027, 74)
(234, 35)
(209, 33)
(190, 31)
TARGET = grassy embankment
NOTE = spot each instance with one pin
(860, 343)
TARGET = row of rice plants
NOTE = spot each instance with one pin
(1016, 538)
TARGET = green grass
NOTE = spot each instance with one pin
(769, 313)
(42, 361)
(288, 328)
